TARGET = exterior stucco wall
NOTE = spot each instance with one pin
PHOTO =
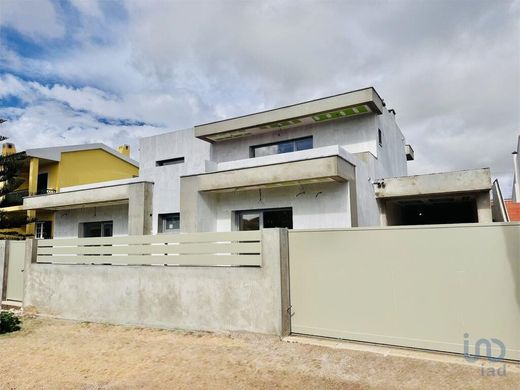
(354, 134)
(314, 205)
(67, 221)
(166, 179)
(391, 157)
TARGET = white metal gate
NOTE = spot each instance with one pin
(431, 287)
(15, 266)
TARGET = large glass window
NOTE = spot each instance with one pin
(282, 147)
(98, 229)
(263, 219)
(169, 223)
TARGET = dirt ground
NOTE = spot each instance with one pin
(56, 354)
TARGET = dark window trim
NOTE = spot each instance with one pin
(237, 214)
(169, 161)
(101, 223)
(161, 222)
(253, 147)
(380, 137)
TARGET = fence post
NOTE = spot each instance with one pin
(284, 275)
(3, 269)
(31, 247)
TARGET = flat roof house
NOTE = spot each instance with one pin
(52, 172)
(324, 163)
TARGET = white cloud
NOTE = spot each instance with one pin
(450, 69)
(88, 7)
(36, 19)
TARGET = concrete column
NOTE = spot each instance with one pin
(484, 208)
(32, 189)
(285, 282)
(31, 248)
(140, 209)
(383, 220)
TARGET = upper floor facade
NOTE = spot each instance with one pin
(49, 170)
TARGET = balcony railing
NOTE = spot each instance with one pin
(15, 198)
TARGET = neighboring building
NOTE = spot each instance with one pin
(317, 164)
(513, 205)
(51, 170)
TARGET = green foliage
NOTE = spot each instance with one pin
(10, 180)
(9, 322)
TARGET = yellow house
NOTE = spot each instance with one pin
(50, 169)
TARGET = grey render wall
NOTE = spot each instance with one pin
(323, 205)
(199, 298)
(67, 221)
(356, 134)
(166, 179)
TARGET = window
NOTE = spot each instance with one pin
(263, 219)
(169, 223)
(380, 137)
(282, 147)
(171, 161)
(97, 229)
(43, 181)
(43, 230)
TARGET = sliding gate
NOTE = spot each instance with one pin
(431, 287)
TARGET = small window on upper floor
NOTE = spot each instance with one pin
(170, 161)
(289, 146)
(380, 137)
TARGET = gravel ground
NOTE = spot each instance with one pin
(57, 354)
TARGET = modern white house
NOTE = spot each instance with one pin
(336, 162)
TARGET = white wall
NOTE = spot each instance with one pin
(166, 179)
(391, 157)
(356, 135)
(67, 221)
(322, 205)
(331, 208)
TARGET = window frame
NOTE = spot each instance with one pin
(253, 148)
(380, 137)
(238, 213)
(39, 234)
(161, 219)
(170, 161)
(101, 225)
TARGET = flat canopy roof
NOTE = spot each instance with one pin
(456, 182)
(354, 103)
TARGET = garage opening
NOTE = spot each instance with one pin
(427, 211)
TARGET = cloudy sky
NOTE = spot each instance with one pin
(78, 71)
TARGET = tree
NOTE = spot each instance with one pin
(10, 181)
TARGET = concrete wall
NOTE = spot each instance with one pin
(313, 205)
(391, 156)
(67, 221)
(356, 135)
(353, 135)
(166, 179)
(199, 298)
